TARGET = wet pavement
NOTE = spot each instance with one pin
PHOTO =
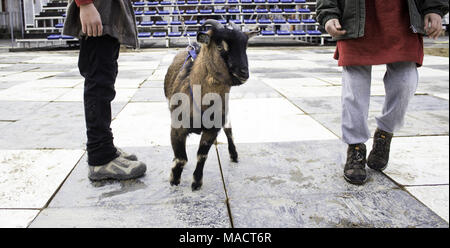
(286, 124)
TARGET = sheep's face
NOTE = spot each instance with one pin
(232, 45)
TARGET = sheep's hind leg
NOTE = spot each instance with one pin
(206, 141)
(231, 147)
(178, 140)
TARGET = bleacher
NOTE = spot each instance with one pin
(166, 20)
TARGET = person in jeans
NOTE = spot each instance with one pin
(374, 32)
(102, 26)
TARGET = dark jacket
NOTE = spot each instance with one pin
(117, 18)
(352, 14)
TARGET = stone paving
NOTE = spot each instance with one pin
(286, 126)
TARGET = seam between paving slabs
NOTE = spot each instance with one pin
(227, 199)
(57, 190)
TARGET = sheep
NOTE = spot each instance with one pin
(221, 63)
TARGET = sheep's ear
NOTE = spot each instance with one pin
(203, 37)
(252, 33)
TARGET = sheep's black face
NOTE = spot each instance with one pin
(232, 44)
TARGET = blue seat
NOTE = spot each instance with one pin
(192, 2)
(152, 3)
(174, 34)
(190, 33)
(233, 11)
(294, 21)
(300, 1)
(144, 35)
(308, 21)
(190, 22)
(175, 23)
(248, 11)
(279, 21)
(236, 21)
(290, 10)
(150, 12)
(159, 34)
(67, 37)
(233, 1)
(139, 3)
(181, 2)
(298, 32)
(250, 21)
(222, 21)
(64, 15)
(261, 10)
(59, 25)
(265, 32)
(219, 1)
(54, 37)
(304, 10)
(220, 11)
(276, 10)
(191, 11)
(205, 11)
(260, 1)
(176, 12)
(137, 23)
(286, 1)
(163, 12)
(147, 23)
(139, 12)
(161, 23)
(205, 2)
(272, 1)
(283, 32)
(246, 1)
(165, 3)
(314, 32)
(264, 21)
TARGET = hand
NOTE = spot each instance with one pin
(433, 25)
(334, 28)
(91, 22)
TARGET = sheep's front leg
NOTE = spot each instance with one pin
(208, 138)
(178, 140)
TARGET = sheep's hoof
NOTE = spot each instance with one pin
(173, 181)
(196, 185)
(234, 158)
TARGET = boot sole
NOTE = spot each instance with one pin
(377, 169)
(355, 182)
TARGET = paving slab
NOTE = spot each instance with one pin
(31, 94)
(435, 197)
(290, 169)
(254, 88)
(327, 105)
(419, 160)
(413, 125)
(149, 95)
(76, 95)
(153, 84)
(13, 218)
(55, 125)
(263, 120)
(381, 209)
(188, 214)
(17, 110)
(27, 76)
(29, 178)
(154, 202)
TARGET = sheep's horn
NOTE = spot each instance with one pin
(234, 26)
(213, 23)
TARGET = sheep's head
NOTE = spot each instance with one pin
(232, 45)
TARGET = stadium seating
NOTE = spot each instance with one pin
(166, 18)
